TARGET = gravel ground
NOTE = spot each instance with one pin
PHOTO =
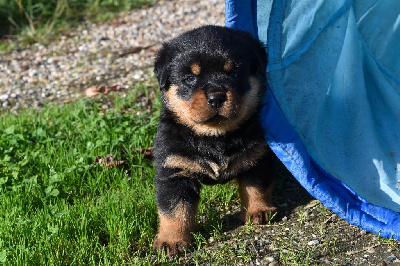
(119, 52)
(122, 52)
(306, 233)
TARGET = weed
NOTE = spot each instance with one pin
(302, 216)
(331, 247)
(296, 255)
(389, 242)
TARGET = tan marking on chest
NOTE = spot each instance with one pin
(232, 166)
(177, 161)
(227, 167)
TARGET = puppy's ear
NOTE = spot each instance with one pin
(260, 58)
(162, 67)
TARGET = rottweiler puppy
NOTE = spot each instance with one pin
(212, 81)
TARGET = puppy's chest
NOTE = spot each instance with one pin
(223, 165)
(216, 163)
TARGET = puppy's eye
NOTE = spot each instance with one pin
(234, 75)
(190, 78)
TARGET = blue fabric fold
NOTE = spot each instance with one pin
(332, 112)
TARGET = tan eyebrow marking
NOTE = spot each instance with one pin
(195, 68)
(228, 66)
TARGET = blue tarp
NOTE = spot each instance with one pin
(332, 112)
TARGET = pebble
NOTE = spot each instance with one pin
(391, 258)
(313, 242)
(270, 259)
(120, 51)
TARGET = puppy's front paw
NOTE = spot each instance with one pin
(174, 234)
(259, 217)
(171, 247)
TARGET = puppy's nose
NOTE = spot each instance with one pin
(216, 99)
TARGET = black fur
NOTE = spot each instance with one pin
(173, 138)
(210, 47)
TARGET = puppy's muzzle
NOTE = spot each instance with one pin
(216, 98)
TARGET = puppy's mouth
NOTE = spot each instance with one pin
(216, 119)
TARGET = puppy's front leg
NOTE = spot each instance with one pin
(256, 202)
(177, 200)
(256, 192)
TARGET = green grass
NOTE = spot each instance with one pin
(58, 207)
(42, 20)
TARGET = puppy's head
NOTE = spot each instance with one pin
(212, 78)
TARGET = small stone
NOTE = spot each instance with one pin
(391, 258)
(270, 259)
(313, 242)
(211, 240)
(284, 219)
(103, 38)
(371, 250)
(311, 204)
(3, 97)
